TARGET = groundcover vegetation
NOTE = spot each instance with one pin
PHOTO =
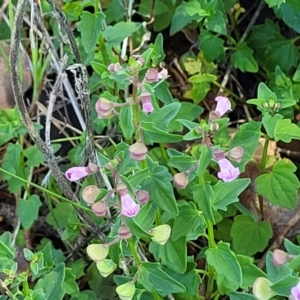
(149, 149)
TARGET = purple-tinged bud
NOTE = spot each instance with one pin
(124, 232)
(118, 67)
(160, 234)
(141, 60)
(214, 115)
(104, 108)
(138, 151)
(236, 153)
(92, 168)
(214, 127)
(198, 130)
(151, 75)
(106, 267)
(142, 196)
(90, 193)
(277, 106)
(99, 208)
(97, 252)
(280, 257)
(126, 291)
(262, 289)
(122, 189)
(163, 74)
(181, 180)
(219, 154)
(111, 67)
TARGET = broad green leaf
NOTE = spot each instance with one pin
(114, 35)
(190, 279)
(185, 13)
(249, 270)
(146, 216)
(273, 3)
(289, 12)
(136, 229)
(226, 266)
(216, 23)
(153, 278)
(296, 76)
(34, 156)
(70, 285)
(204, 160)
(98, 67)
(241, 296)
(283, 286)
(270, 122)
(152, 134)
(243, 59)
(158, 50)
(126, 122)
(162, 93)
(248, 137)
(52, 283)
(248, 236)
(90, 27)
(281, 79)
(182, 162)
(172, 254)
(161, 190)
(6, 253)
(188, 111)
(162, 117)
(203, 195)
(188, 219)
(208, 42)
(280, 185)
(291, 247)
(225, 193)
(28, 210)
(285, 131)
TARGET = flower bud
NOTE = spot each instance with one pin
(277, 106)
(219, 154)
(126, 291)
(104, 108)
(97, 252)
(160, 234)
(145, 99)
(76, 173)
(106, 267)
(99, 208)
(280, 257)
(151, 75)
(124, 232)
(122, 189)
(265, 105)
(142, 196)
(93, 168)
(198, 130)
(236, 153)
(90, 193)
(214, 115)
(214, 127)
(181, 180)
(262, 289)
(111, 67)
(138, 151)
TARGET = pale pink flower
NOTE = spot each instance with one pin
(138, 151)
(227, 171)
(129, 207)
(151, 75)
(223, 105)
(76, 173)
(145, 99)
(296, 291)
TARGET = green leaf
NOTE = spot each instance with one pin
(28, 210)
(204, 160)
(280, 186)
(273, 3)
(173, 254)
(114, 35)
(243, 59)
(52, 283)
(216, 23)
(188, 111)
(185, 13)
(289, 12)
(211, 45)
(270, 122)
(249, 270)
(180, 161)
(162, 117)
(161, 190)
(248, 236)
(153, 278)
(284, 285)
(226, 193)
(281, 79)
(136, 229)
(126, 121)
(248, 137)
(152, 134)
(70, 285)
(90, 26)
(6, 253)
(226, 265)
(34, 156)
(241, 296)
(158, 51)
(285, 131)
(163, 94)
(203, 195)
(188, 219)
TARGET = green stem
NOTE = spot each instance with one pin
(202, 272)
(165, 157)
(265, 154)
(46, 191)
(156, 296)
(134, 252)
(25, 288)
(211, 236)
(158, 219)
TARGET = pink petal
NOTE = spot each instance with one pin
(129, 207)
(228, 172)
(76, 173)
(223, 105)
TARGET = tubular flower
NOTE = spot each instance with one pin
(228, 172)
(76, 173)
(145, 99)
(129, 207)
(296, 291)
(223, 105)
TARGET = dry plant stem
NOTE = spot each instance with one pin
(86, 104)
(18, 95)
(52, 100)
